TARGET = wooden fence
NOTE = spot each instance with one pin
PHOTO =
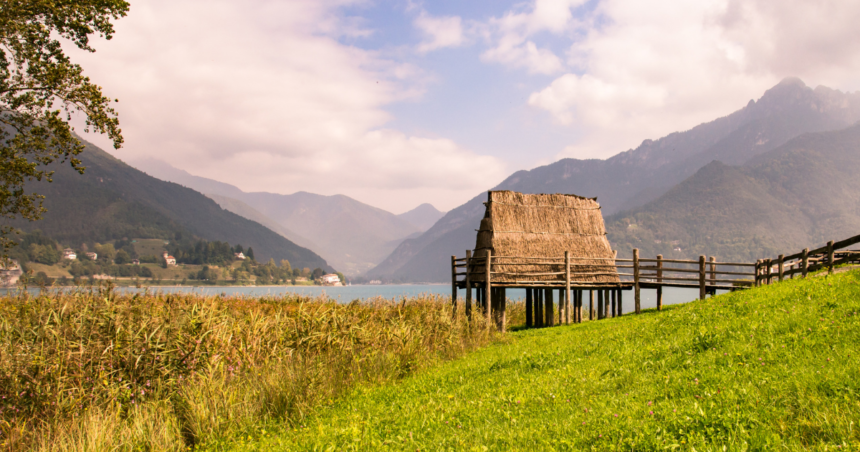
(570, 276)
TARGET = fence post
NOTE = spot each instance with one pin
(713, 269)
(659, 282)
(701, 277)
(567, 287)
(757, 281)
(636, 295)
(805, 257)
(830, 257)
(468, 284)
(780, 263)
(767, 272)
(488, 287)
(453, 287)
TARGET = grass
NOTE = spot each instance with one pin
(771, 368)
(94, 370)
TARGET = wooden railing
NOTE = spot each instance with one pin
(571, 276)
(807, 261)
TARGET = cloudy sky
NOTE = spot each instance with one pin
(399, 102)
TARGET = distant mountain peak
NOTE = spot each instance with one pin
(422, 217)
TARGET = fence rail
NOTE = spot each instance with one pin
(566, 274)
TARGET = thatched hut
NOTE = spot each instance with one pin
(521, 229)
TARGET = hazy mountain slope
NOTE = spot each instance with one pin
(113, 200)
(800, 194)
(422, 217)
(635, 177)
(355, 236)
(244, 210)
(351, 235)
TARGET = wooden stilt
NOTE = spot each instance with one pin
(702, 292)
(613, 311)
(538, 300)
(591, 313)
(489, 286)
(503, 304)
(620, 303)
(453, 287)
(548, 308)
(529, 323)
(468, 285)
(567, 287)
(599, 305)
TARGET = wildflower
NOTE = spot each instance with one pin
(651, 413)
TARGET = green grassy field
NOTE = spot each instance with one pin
(772, 368)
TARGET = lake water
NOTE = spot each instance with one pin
(350, 293)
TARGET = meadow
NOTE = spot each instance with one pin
(94, 370)
(771, 368)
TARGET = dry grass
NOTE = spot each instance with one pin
(93, 370)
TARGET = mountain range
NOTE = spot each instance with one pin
(112, 200)
(352, 236)
(648, 177)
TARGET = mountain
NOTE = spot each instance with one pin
(113, 200)
(422, 217)
(352, 236)
(800, 194)
(635, 177)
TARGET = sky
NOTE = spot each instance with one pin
(400, 102)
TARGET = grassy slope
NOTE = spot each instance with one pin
(751, 370)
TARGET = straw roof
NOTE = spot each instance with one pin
(519, 227)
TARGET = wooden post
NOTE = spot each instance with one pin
(591, 305)
(792, 268)
(805, 261)
(606, 305)
(538, 301)
(830, 257)
(577, 306)
(767, 272)
(636, 295)
(453, 287)
(468, 284)
(529, 308)
(548, 310)
(702, 277)
(780, 263)
(713, 269)
(503, 304)
(660, 282)
(757, 281)
(488, 287)
(620, 302)
(567, 286)
(612, 311)
(600, 314)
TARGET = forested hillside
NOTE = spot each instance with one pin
(800, 194)
(113, 200)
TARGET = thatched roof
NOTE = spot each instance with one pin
(521, 226)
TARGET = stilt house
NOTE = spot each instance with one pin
(524, 232)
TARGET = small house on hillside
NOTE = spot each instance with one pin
(330, 279)
(69, 254)
(169, 259)
(135, 262)
(10, 272)
(92, 256)
(239, 256)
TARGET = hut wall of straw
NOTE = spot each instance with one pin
(521, 229)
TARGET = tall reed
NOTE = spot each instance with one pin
(93, 370)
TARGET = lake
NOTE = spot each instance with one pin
(349, 293)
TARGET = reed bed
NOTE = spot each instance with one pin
(95, 370)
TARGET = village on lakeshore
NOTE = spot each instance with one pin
(42, 262)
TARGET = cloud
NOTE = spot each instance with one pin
(646, 69)
(266, 97)
(511, 33)
(439, 32)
